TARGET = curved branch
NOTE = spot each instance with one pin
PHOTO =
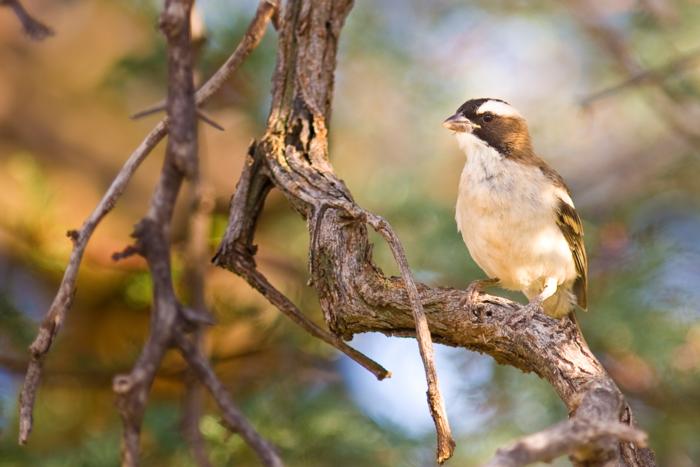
(562, 439)
(649, 75)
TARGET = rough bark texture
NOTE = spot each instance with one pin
(354, 294)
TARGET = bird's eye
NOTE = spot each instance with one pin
(487, 118)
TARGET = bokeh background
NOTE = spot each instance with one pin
(631, 157)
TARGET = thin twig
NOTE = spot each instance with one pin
(244, 210)
(34, 28)
(150, 110)
(685, 61)
(197, 260)
(562, 439)
(208, 120)
(675, 113)
(232, 415)
(445, 442)
(259, 282)
(64, 298)
(159, 107)
(62, 301)
(191, 415)
(249, 42)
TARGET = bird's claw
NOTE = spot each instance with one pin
(474, 289)
(472, 293)
(527, 313)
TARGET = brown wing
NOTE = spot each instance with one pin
(570, 225)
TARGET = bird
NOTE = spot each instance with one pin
(515, 212)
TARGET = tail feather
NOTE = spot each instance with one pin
(561, 303)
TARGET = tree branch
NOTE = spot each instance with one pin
(246, 206)
(233, 417)
(651, 75)
(564, 438)
(153, 242)
(680, 115)
(63, 300)
(152, 233)
(34, 28)
(196, 262)
(445, 442)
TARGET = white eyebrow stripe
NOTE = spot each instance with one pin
(498, 108)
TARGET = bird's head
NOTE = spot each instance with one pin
(493, 123)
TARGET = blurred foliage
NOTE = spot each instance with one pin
(403, 66)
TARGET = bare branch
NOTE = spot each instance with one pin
(152, 235)
(196, 262)
(445, 443)
(159, 107)
(232, 416)
(62, 301)
(562, 439)
(312, 85)
(153, 232)
(246, 206)
(554, 350)
(150, 110)
(192, 414)
(54, 318)
(652, 75)
(250, 40)
(32, 26)
(208, 120)
(681, 116)
(246, 269)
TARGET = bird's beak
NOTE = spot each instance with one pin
(458, 123)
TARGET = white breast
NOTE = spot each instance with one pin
(506, 214)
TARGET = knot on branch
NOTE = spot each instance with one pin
(43, 339)
(74, 236)
(150, 241)
(122, 384)
(235, 256)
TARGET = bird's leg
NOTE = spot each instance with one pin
(535, 305)
(475, 288)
